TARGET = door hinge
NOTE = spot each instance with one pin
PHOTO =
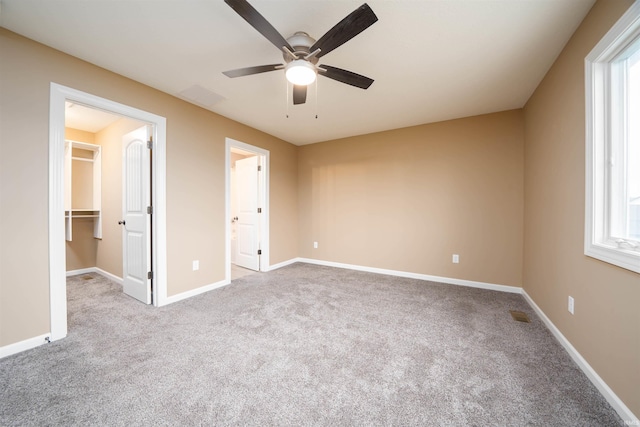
(150, 143)
(259, 210)
(259, 251)
(150, 275)
(149, 210)
(259, 168)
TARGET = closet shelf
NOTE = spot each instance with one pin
(83, 163)
(82, 213)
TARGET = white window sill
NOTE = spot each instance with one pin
(625, 258)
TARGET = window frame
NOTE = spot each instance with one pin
(600, 106)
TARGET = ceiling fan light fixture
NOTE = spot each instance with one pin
(300, 72)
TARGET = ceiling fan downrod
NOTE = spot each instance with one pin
(304, 51)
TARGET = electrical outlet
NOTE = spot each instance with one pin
(315, 245)
(196, 265)
(571, 305)
(456, 259)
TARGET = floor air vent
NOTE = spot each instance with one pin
(519, 316)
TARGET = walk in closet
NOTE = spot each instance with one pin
(82, 192)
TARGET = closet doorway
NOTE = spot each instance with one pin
(247, 196)
(63, 133)
(94, 190)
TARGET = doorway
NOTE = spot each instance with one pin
(94, 190)
(247, 212)
(59, 95)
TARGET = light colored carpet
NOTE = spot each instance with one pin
(238, 272)
(302, 345)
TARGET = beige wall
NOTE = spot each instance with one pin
(235, 157)
(195, 180)
(410, 198)
(404, 199)
(109, 248)
(81, 251)
(606, 326)
(79, 135)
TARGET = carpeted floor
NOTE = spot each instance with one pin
(302, 345)
(238, 272)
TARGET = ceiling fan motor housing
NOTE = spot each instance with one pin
(301, 42)
(301, 52)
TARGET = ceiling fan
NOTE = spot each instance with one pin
(301, 52)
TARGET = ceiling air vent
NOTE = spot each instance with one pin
(198, 95)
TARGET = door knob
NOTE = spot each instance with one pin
(121, 222)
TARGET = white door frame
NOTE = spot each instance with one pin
(263, 190)
(57, 254)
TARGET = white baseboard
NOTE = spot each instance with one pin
(110, 276)
(27, 344)
(100, 271)
(615, 402)
(81, 271)
(283, 264)
(34, 342)
(194, 292)
(397, 273)
(221, 283)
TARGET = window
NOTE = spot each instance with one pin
(612, 214)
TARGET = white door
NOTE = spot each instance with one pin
(247, 230)
(136, 222)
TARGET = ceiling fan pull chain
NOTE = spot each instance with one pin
(316, 99)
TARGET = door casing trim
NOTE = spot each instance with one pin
(263, 202)
(57, 256)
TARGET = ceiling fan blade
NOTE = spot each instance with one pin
(257, 21)
(252, 70)
(355, 23)
(345, 76)
(299, 94)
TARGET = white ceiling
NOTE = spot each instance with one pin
(92, 120)
(431, 60)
